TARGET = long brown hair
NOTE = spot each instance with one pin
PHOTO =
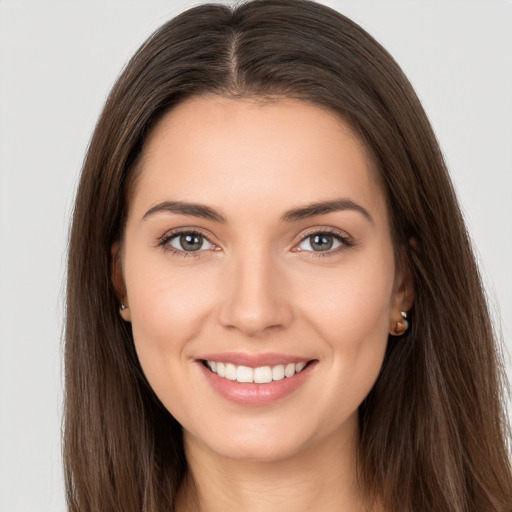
(433, 429)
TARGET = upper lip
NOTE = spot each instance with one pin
(254, 360)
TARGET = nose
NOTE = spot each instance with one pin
(257, 299)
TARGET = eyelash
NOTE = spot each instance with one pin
(340, 236)
(164, 242)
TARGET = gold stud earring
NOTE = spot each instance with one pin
(124, 313)
(401, 326)
(405, 321)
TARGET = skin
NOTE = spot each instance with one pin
(259, 287)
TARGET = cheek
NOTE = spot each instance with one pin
(350, 301)
(350, 315)
(168, 308)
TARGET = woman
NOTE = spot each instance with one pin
(272, 299)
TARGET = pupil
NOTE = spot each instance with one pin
(191, 242)
(321, 242)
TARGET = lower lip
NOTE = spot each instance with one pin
(256, 394)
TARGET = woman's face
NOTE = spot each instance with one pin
(257, 243)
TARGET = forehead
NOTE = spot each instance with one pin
(280, 152)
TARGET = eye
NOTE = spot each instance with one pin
(189, 241)
(322, 241)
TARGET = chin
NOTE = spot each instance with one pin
(265, 440)
(258, 450)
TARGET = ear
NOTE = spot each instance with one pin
(403, 297)
(116, 274)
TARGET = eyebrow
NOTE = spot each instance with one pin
(184, 208)
(321, 208)
(299, 213)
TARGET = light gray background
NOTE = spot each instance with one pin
(57, 62)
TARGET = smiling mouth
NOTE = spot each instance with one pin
(258, 375)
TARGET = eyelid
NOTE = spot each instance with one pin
(343, 237)
(163, 241)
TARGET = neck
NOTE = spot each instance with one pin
(320, 477)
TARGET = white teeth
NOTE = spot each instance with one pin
(221, 370)
(259, 375)
(299, 367)
(278, 372)
(230, 371)
(262, 375)
(244, 374)
(289, 370)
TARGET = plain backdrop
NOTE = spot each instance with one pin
(58, 61)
